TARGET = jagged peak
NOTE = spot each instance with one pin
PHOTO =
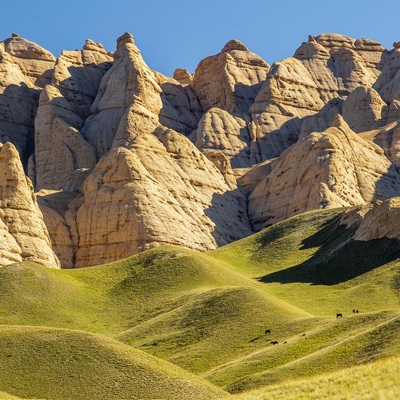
(125, 39)
(93, 46)
(181, 73)
(234, 45)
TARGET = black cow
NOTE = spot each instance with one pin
(339, 315)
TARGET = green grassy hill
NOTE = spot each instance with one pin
(207, 312)
(67, 364)
(377, 380)
(6, 396)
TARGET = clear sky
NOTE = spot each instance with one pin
(179, 33)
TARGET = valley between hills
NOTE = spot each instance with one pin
(231, 233)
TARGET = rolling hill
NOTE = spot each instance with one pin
(208, 312)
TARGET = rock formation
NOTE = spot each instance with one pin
(131, 90)
(152, 185)
(158, 191)
(364, 110)
(226, 85)
(60, 149)
(125, 158)
(327, 67)
(25, 68)
(335, 168)
(381, 221)
(231, 79)
(77, 75)
(24, 234)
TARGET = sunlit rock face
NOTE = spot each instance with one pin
(24, 234)
(334, 168)
(124, 158)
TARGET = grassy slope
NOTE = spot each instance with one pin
(207, 312)
(166, 292)
(311, 262)
(378, 380)
(63, 364)
(6, 396)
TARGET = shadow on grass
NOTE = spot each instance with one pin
(339, 257)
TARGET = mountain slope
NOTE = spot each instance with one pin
(64, 364)
(208, 312)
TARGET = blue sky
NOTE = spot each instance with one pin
(178, 34)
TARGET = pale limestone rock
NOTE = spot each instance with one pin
(25, 67)
(219, 159)
(181, 109)
(231, 79)
(328, 67)
(222, 131)
(335, 168)
(183, 76)
(394, 111)
(129, 83)
(373, 54)
(159, 190)
(60, 236)
(248, 180)
(133, 99)
(322, 120)
(388, 138)
(364, 110)
(381, 222)
(25, 237)
(77, 75)
(60, 149)
(35, 62)
(227, 85)
(351, 218)
(54, 206)
(125, 39)
(288, 94)
(388, 83)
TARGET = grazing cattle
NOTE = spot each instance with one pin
(303, 334)
(339, 315)
(284, 342)
(274, 342)
(356, 311)
(268, 331)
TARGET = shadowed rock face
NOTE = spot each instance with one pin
(77, 75)
(25, 68)
(126, 158)
(60, 148)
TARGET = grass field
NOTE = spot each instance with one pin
(68, 364)
(207, 312)
(373, 381)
